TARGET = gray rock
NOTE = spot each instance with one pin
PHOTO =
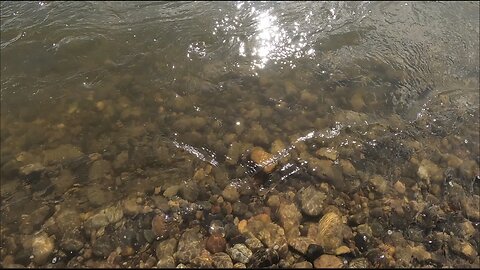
(222, 260)
(240, 253)
(103, 246)
(166, 248)
(190, 245)
(312, 201)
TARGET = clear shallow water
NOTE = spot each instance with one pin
(108, 99)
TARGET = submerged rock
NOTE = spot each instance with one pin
(263, 159)
(312, 201)
(42, 248)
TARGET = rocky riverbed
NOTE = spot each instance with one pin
(239, 135)
(352, 192)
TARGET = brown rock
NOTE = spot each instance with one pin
(215, 243)
(328, 261)
(160, 226)
(329, 233)
(263, 159)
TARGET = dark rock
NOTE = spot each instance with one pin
(215, 243)
(103, 246)
(313, 252)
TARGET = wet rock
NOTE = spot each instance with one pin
(313, 252)
(67, 220)
(222, 260)
(429, 171)
(359, 263)
(272, 235)
(215, 243)
(463, 248)
(263, 159)
(329, 232)
(166, 248)
(328, 261)
(62, 153)
(203, 260)
(103, 246)
(63, 182)
(230, 193)
(190, 191)
(253, 243)
(240, 253)
(347, 167)
(171, 191)
(190, 245)
(342, 250)
(303, 264)
(34, 168)
(42, 248)
(99, 170)
(399, 187)
(130, 207)
(264, 257)
(290, 219)
(239, 265)
(273, 201)
(379, 183)
(325, 169)
(420, 254)
(72, 241)
(149, 235)
(466, 229)
(97, 196)
(160, 226)
(328, 153)
(312, 201)
(120, 160)
(471, 206)
(166, 262)
(239, 209)
(217, 227)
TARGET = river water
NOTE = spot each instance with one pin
(176, 134)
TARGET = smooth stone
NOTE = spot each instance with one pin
(166, 248)
(42, 248)
(328, 261)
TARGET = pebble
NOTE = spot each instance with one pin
(166, 248)
(273, 201)
(171, 191)
(130, 207)
(290, 218)
(160, 226)
(399, 187)
(329, 232)
(429, 171)
(263, 159)
(230, 193)
(215, 243)
(379, 183)
(347, 167)
(303, 264)
(42, 248)
(166, 262)
(103, 246)
(312, 201)
(240, 253)
(222, 260)
(190, 245)
(328, 153)
(328, 261)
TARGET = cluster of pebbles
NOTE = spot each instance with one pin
(107, 189)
